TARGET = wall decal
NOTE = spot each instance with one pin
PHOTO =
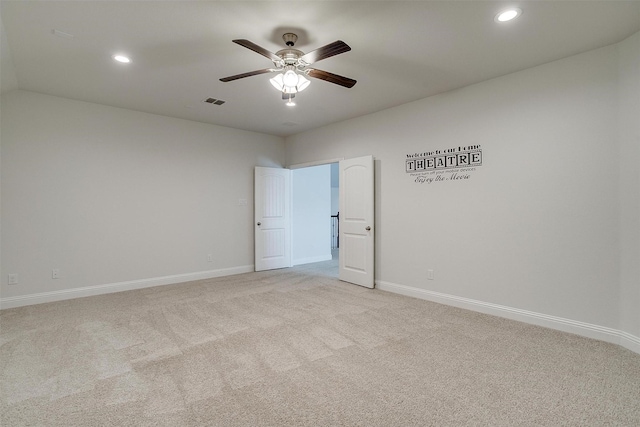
(452, 164)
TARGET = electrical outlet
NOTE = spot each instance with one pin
(210, 258)
(430, 274)
(55, 273)
(13, 279)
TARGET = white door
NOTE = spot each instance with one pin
(356, 221)
(272, 218)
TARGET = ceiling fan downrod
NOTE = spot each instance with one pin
(290, 39)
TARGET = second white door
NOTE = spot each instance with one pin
(357, 221)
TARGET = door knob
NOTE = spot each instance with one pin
(368, 228)
(259, 224)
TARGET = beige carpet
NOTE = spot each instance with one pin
(296, 347)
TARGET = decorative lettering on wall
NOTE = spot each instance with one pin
(452, 164)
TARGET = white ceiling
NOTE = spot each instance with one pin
(401, 52)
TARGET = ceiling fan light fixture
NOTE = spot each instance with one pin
(303, 83)
(289, 82)
(290, 79)
(277, 82)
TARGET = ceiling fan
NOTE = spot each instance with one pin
(293, 65)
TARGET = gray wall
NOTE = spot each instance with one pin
(109, 195)
(536, 229)
(629, 187)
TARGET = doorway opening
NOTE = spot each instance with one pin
(274, 238)
(315, 207)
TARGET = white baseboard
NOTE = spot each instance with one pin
(588, 330)
(309, 260)
(630, 342)
(44, 297)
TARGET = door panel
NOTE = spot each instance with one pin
(272, 218)
(356, 221)
(355, 253)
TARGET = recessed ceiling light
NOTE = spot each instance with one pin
(508, 15)
(121, 58)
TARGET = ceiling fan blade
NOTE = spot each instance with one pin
(258, 49)
(324, 52)
(243, 75)
(332, 78)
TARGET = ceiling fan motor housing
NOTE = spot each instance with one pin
(290, 56)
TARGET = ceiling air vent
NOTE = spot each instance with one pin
(214, 101)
